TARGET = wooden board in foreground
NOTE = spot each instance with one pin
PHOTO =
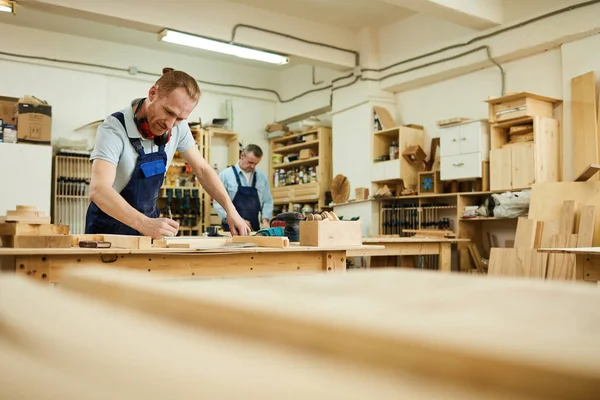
(420, 326)
(263, 241)
(583, 111)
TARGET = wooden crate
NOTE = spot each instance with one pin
(520, 105)
(330, 233)
(429, 182)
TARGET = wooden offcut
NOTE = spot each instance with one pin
(37, 241)
(118, 241)
(585, 130)
(16, 228)
(263, 241)
(529, 233)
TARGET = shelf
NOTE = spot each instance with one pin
(391, 132)
(297, 146)
(288, 137)
(298, 163)
(487, 219)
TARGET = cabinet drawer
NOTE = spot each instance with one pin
(449, 141)
(470, 138)
(466, 166)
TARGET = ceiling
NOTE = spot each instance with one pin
(109, 29)
(353, 14)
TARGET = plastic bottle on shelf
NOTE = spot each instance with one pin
(276, 179)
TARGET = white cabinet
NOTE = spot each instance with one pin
(26, 178)
(463, 148)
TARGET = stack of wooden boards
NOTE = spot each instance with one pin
(524, 259)
(26, 227)
(112, 334)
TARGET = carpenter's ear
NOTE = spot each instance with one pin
(153, 92)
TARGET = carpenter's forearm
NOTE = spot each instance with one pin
(113, 204)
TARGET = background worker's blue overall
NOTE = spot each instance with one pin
(141, 192)
(246, 202)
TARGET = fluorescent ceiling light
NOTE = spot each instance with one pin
(7, 6)
(199, 42)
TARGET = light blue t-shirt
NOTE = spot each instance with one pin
(112, 144)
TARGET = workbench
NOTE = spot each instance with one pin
(378, 334)
(48, 264)
(587, 261)
(410, 246)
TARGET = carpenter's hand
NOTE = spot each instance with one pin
(159, 227)
(265, 224)
(237, 225)
(248, 223)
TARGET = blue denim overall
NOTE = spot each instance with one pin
(141, 192)
(246, 202)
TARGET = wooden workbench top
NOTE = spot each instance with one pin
(223, 250)
(413, 239)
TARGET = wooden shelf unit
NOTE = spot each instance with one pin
(312, 192)
(204, 138)
(416, 212)
(397, 172)
(71, 190)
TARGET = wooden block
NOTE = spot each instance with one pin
(361, 193)
(584, 130)
(529, 234)
(27, 219)
(567, 217)
(129, 242)
(587, 220)
(414, 155)
(159, 243)
(587, 173)
(16, 228)
(263, 241)
(451, 121)
(500, 169)
(37, 242)
(520, 129)
(330, 233)
(430, 232)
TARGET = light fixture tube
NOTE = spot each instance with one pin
(199, 42)
(7, 6)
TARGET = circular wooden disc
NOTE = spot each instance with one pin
(340, 189)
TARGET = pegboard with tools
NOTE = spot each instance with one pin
(397, 216)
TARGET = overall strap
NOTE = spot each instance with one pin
(254, 179)
(137, 145)
(237, 176)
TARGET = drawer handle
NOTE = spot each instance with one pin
(458, 164)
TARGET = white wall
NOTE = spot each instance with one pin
(80, 95)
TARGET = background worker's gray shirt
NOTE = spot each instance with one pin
(112, 145)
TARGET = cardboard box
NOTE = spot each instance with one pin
(330, 233)
(32, 116)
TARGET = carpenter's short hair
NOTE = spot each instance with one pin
(172, 79)
(254, 149)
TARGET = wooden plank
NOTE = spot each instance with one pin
(476, 256)
(560, 265)
(430, 233)
(587, 220)
(386, 120)
(163, 368)
(567, 218)
(551, 358)
(523, 165)
(502, 261)
(549, 229)
(464, 259)
(16, 228)
(547, 150)
(528, 235)
(587, 173)
(263, 241)
(585, 131)
(37, 242)
(500, 169)
(118, 241)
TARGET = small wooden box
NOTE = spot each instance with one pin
(362, 193)
(330, 233)
(520, 105)
(306, 154)
(430, 182)
(414, 155)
